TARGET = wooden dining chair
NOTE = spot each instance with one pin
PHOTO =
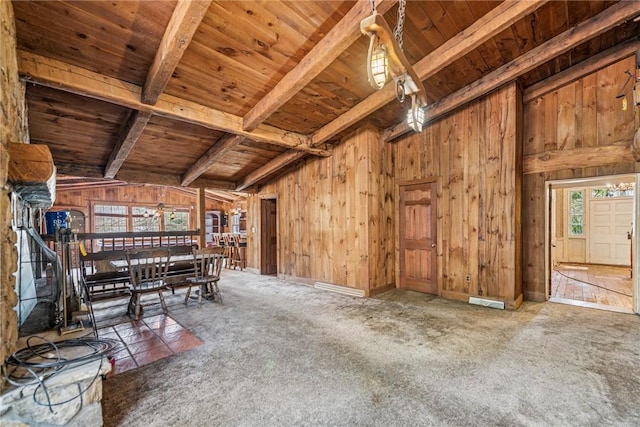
(207, 264)
(148, 269)
(228, 249)
(240, 254)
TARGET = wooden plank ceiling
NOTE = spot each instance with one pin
(225, 94)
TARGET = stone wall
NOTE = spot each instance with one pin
(13, 128)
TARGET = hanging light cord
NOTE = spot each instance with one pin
(34, 364)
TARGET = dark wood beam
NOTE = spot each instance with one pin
(270, 168)
(132, 129)
(141, 177)
(183, 24)
(343, 35)
(212, 155)
(577, 158)
(80, 171)
(223, 197)
(586, 30)
(70, 78)
(499, 18)
(578, 71)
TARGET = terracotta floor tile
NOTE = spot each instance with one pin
(147, 345)
(159, 321)
(140, 336)
(174, 336)
(185, 344)
(132, 324)
(123, 353)
(169, 329)
(150, 356)
(132, 331)
(124, 364)
(108, 333)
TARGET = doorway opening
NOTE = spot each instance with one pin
(268, 237)
(590, 243)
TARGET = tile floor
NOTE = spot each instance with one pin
(147, 340)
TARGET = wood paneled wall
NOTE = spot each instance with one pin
(572, 123)
(474, 156)
(140, 195)
(335, 217)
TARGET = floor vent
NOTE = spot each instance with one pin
(486, 302)
(339, 289)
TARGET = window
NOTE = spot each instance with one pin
(110, 218)
(235, 225)
(576, 213)
(145, 219)
(179, 222)
(618, 190)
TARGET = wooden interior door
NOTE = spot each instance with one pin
(610, 222)
(269, 233)
(418, 237)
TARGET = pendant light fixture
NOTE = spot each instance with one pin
(386, 58)
(377, 63)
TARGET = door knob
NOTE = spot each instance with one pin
(433, 245)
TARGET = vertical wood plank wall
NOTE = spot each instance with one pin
(335, 217)
(140, 195)
(475, 157)
(585, 113)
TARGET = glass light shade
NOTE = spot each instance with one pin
(377, 63)
(415, 118)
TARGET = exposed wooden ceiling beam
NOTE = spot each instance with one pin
(59, 75)
(142, 177)
(225, 197)
(270, 168)
(586, 30)
(212, 155)
(499, 18)
(133, 128)
(183, 24)
(586, 67)
(577, 158)
(343, 35)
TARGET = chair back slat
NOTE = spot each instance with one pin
(148, 267)
(207, 262)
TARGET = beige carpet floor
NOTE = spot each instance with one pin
(278, 353)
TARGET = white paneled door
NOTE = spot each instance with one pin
(610, 221)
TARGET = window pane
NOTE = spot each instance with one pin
(619, 190)
(110, 224)
(110, 209)
(146, 224)
(576, 213)
(180, 221)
